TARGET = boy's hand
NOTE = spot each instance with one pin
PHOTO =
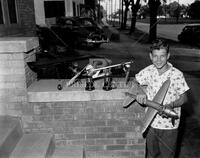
(169, 106)
(141, 98)
(166, 106)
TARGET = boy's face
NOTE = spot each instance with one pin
(159, 58)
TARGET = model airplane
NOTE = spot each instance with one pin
(154, 106)
(105, 71)
(95, 73)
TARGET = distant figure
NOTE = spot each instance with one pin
(161, 139)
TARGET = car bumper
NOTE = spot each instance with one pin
(90, 41)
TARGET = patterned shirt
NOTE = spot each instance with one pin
(149, 76)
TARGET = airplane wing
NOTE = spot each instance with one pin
(151, 112)
(159, 98)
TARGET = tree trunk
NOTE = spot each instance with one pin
(153, 6)
(125, 17)
(135, 8)
(133, 22)
(153, 25)
(122, 20)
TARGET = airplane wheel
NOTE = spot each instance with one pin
(59, 87)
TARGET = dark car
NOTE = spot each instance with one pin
(190, 34)
(51, 45)
(77, 31)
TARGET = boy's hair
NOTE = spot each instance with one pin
(159, 44)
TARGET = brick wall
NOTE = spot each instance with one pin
(26, 20)
(27, 16)
(15, 76)
(12, 85)
(29, 74)
(102, 127)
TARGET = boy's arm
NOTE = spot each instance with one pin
(141, 96)
(179, 102)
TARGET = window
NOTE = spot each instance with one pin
(1, 14)
(54, 8)
(12, 11)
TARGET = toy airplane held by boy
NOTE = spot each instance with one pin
(154, 106)
(98, 72)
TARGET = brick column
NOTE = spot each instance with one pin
(15, 76)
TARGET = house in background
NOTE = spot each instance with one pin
(17, 18)
(47, 10)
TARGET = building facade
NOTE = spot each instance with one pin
(17, 18)
(47, 10)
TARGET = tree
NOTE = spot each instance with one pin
(144, 11)
(126, 3)
(153, 6)
(134, 8)
(194, 10)
(161, 10)
(184, 11)
(172, 8)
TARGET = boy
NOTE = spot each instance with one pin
(161, 138)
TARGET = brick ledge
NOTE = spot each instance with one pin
(46, 91)
(17, 44)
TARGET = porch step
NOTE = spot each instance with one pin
(10, 134)
(68, 152)
(34, 145)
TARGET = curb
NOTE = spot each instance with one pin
(186, 52)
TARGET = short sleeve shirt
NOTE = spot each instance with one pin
(150, 77)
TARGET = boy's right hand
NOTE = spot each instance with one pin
(141, 98)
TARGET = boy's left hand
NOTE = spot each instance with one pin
(166, 106)
(169, 106)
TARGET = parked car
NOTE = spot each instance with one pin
(79, 31)
(51, 45)
(190, 34)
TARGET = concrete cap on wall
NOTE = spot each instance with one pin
(17, 44)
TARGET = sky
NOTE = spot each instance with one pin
(183, 1)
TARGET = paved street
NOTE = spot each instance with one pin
(188, 62)
(167, 31)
